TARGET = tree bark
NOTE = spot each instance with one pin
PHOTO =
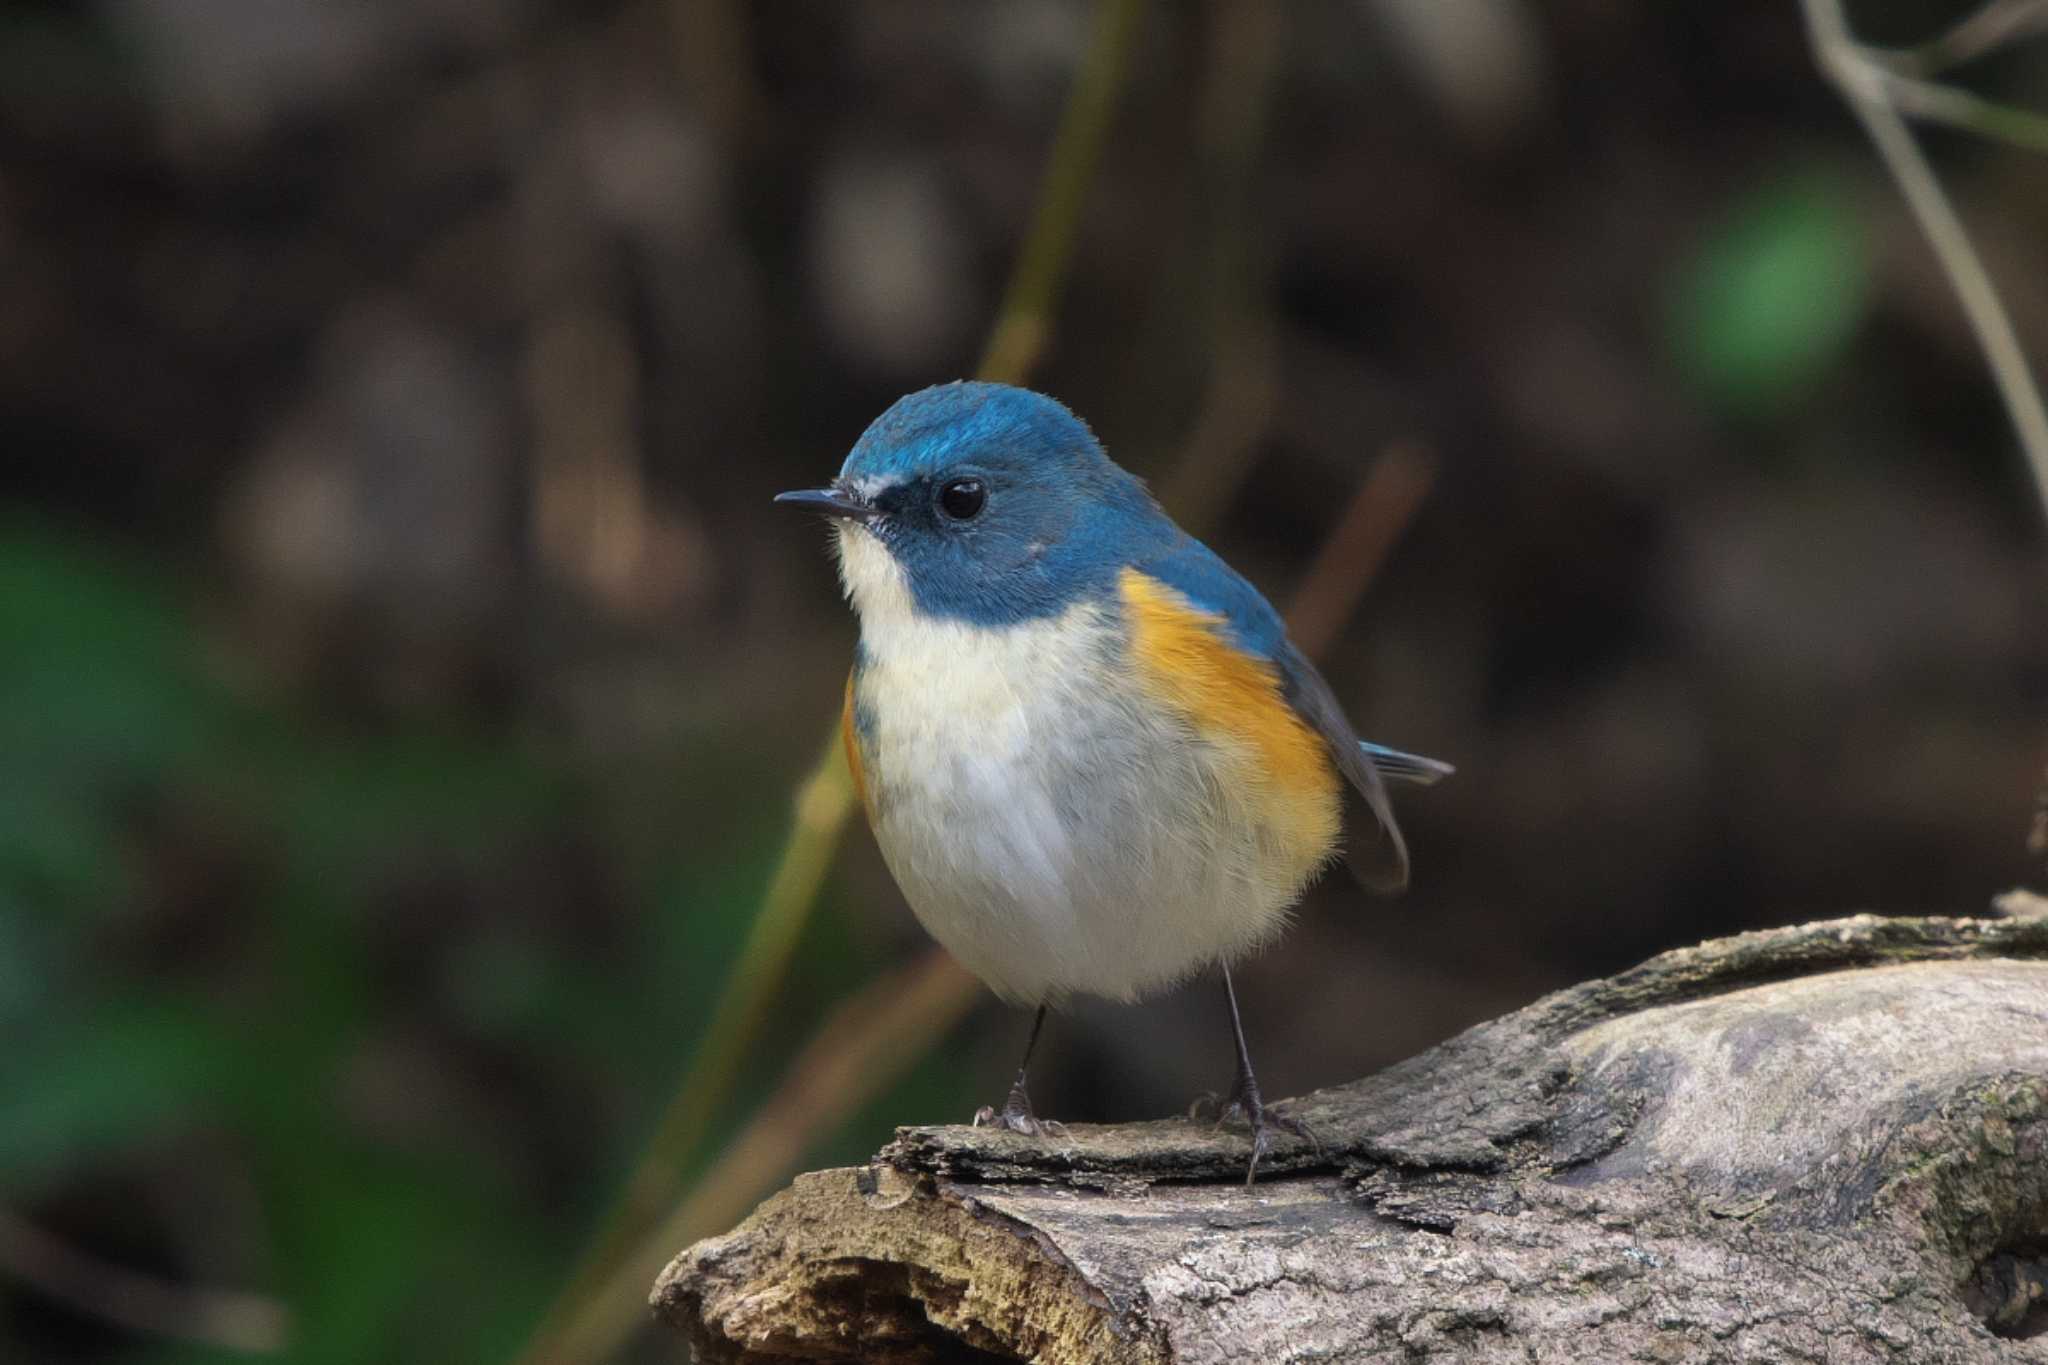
(1823, 1143)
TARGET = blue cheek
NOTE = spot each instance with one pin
(992, 579)
(1030, 567)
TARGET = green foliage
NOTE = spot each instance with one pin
(370, 968)
(1773, 294)
(86, 1087)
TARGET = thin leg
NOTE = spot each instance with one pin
(1016, 1114)
(1244, 1093)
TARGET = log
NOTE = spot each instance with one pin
(1821, 1143)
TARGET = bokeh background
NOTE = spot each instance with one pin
(404, 677)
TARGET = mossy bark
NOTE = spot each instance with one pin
(1824, 1143)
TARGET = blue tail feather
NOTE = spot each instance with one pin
(1401, 766)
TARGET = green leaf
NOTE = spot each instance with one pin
(103, 1080)
(97, 673)
(28, 965)
(1773, 295)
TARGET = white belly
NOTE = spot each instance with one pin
(1055, 832)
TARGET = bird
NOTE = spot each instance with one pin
(1093, 760)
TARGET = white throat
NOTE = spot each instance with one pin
(875, 583)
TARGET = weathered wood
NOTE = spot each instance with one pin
(1823, 1143)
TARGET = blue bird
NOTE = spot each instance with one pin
(1091, 757)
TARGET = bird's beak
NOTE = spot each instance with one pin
(833, 502)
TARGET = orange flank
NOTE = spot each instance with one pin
(852, 743)
(1274, 762)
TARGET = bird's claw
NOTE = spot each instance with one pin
(1016, 1117)
(1245, 1104)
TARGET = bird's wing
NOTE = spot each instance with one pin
(1312, 698)
(1191, 568)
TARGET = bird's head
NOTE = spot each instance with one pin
(981, 503)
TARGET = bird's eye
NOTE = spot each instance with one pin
(962, 499)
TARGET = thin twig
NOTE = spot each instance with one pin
(822, 806)
(1987, 29)
(1027, 308)
(227, 1319)
(864, 1047)
(1972, 113)
(1386, 501)
(1864, 82)
(711, 48)
(826, 798)
(1246, 46)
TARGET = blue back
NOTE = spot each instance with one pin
(1193, 568)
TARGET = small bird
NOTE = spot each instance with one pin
(1092, 758)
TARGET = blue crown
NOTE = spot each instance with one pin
(929, 430)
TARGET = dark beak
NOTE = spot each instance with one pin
(832, 502)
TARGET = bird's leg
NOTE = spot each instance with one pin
(1016, 1114)
(1244, 1094)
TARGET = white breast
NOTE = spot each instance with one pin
(1053, 830)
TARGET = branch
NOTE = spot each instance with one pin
(1824, 1142)
(1986, 30)
(1957, 108)
(1868, 86)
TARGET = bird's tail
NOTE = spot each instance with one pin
(1406, 767)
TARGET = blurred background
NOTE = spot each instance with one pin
(405, 680)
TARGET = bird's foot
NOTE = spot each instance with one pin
(1244, 1103)
(1016, 1116)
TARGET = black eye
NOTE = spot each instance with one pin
(961, 499)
